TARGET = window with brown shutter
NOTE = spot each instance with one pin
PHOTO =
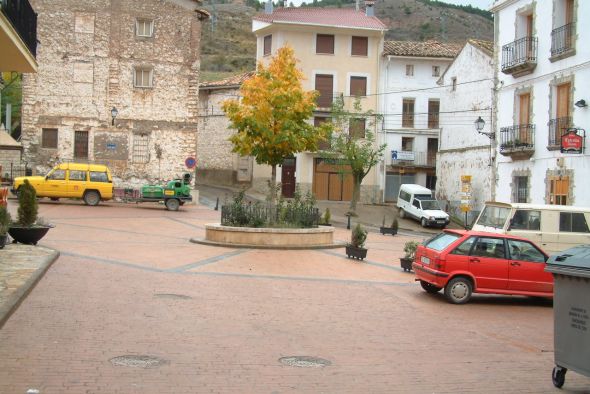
(358, 86)
(325, 44)
(267, 44)
(360, 46)
(356, 128)
(49, 138)
(433, 111)
(408, 113)
(325, 85)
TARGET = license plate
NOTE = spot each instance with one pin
(169, 192)
(425, 260)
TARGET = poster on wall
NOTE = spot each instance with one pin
(573, 141)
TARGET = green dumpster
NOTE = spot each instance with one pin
(571, 310)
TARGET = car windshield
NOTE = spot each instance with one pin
(430, 205)
(441, 241)
(493, 216)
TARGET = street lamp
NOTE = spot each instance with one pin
(581, 103)
(479, 125)
(114, 114)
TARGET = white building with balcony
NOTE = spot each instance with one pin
(543, 74)
(410, 104)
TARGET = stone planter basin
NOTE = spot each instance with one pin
(269, 238)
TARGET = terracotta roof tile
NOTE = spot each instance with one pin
(421, 49)
(337, 17)
(234, 81)
(486, 46)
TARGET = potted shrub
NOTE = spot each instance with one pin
(355, 249)
(4, 225)
(410, 253)
(27, 229)
(389, 230)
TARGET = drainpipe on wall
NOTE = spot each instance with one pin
(268, 7)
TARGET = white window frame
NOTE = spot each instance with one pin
(139, 21)
(409, 70)
(150, 77)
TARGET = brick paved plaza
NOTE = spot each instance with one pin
(129, 283)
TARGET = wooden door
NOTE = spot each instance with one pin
(524, 117)
(81, 145)
(288, 177)
(562, 110)
(563, 100)
(569, 11)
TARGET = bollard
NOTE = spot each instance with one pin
(348, 223)
(217, 204)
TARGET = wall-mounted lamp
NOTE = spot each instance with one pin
(479, 125)
(581, 103)
(114, 114)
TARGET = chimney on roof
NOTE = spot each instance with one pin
(369, 7)
(268, 7)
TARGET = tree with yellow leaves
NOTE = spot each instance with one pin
(272, 117)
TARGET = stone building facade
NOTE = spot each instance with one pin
(216, 163)
(138, 59)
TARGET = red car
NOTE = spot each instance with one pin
(467, 262)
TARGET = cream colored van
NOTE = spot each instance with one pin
(553, 227)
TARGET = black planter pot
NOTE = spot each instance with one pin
(388, 230)
(355, 252)
(406, 263)
(28, 235)
(3, 239)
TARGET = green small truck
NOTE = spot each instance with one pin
(174, 194)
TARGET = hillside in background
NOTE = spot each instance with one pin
(228, 45)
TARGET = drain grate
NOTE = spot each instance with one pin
(138, 361)
(173, 296)
(304, 362)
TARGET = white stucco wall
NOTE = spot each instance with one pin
(462, 151)
(576, 68)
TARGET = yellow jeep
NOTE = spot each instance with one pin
(90, 182)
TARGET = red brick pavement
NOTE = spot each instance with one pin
(114, 291)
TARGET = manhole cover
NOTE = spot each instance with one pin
(304, 361)
(141, 361)
(173, 296)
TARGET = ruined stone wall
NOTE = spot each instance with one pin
(87, 57)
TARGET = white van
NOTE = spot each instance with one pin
(416, 201)
(553, 227)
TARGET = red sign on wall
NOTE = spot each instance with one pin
(573, 141)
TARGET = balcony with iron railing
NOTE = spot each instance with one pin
(520, 57)
(518, 141)
(562, 41)
(23, 19)
(413, 159)
(557, 128)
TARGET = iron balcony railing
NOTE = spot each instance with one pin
(519, 53)
(23, 19)
(557, 128)
(562, 39)
(519, 137)
(410, 158)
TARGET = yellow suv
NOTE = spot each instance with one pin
(90, 182)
